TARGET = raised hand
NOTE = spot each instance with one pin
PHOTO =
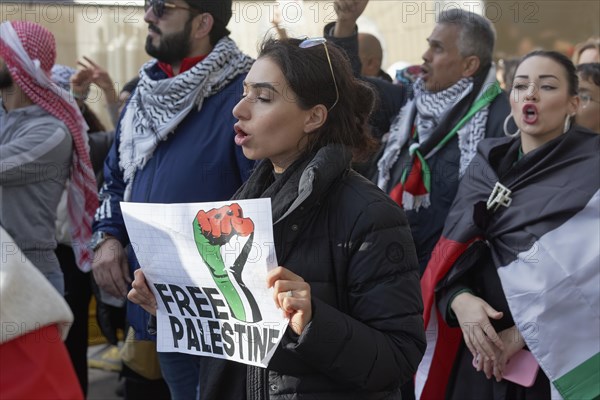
(89, 73)
(347, 12)
(276, 22)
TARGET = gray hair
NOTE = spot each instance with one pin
(477, 35)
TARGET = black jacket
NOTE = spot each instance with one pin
(389, 97)
(352, 244)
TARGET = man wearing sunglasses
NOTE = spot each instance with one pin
(173, 144)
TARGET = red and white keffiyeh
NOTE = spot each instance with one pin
(29, 52)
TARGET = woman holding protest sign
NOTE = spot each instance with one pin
(348, 278)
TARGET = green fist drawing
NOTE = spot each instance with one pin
(214, 229)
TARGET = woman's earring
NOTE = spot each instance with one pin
(511, 135)
(567, 123)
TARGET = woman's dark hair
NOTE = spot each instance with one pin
(130, 86)
(572, 79)
(307, 72)
(590, 72)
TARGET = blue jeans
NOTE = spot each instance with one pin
(182, 374)
(57, 279)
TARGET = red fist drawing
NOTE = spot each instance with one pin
(219, 225)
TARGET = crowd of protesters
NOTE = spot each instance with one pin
(489, 192)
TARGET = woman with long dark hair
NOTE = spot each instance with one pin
(348, 278)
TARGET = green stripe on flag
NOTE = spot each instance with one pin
(582, 382)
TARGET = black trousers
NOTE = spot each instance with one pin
(139, 388)
(78, 293)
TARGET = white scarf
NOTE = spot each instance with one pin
(157, 107)
(430, 109)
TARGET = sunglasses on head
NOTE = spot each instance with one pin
(315, 42)
(158, 7)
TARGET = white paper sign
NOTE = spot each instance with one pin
(207, 265)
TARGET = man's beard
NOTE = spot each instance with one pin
(173, 47)
(6, 80)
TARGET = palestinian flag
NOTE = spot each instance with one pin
(545, 245)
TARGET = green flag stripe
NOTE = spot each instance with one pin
(582, 382)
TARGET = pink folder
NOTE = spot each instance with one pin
(521, 369)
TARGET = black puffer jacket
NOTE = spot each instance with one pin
(352, 244)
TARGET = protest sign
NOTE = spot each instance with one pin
(207, 265)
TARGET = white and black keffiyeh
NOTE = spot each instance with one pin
(157, 107)
(431, 108)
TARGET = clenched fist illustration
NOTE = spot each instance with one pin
(214, 229)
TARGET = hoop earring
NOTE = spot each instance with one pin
(511, 135)
(567, 125)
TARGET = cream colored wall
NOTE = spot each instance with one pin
(401, 28)
(114, 35)
(111, 36)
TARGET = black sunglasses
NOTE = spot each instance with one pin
(158, 7)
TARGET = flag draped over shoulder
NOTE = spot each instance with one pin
(545, 248)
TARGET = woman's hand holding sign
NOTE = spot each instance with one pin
(292, 295)
(141, 294)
